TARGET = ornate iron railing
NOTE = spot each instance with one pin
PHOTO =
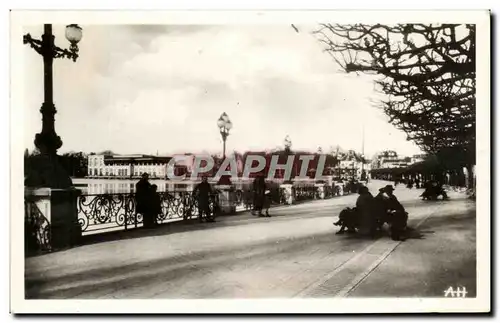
(36, 229)
(329, 191)
(303, 193)
(110, 212)
(244, 197)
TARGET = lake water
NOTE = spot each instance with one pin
(91, 186)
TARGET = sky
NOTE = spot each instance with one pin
(161, 88)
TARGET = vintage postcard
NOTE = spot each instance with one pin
(250, 162)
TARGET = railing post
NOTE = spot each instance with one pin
(320, 190)
(227, 199)
(185, 206)
(135, 218)
(288, 193)
(126, 209)
(59, 207)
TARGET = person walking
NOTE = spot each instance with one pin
(259, 191)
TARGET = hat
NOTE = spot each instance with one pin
(389, 188)
(145, 174)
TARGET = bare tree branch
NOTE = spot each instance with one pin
(428, 74)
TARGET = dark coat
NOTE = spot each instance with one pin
(142, 195)
(155, 203)
(365, 209)
(203, 192)
(393, 204)
(380, 206)
(259, 191)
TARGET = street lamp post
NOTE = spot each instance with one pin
(225, 125)
(287, 142)
(49, 173)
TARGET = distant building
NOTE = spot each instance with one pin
(390, 159)
(395, 163)
(418, 158)
(127, 166)
(351, 164)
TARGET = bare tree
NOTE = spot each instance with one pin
(427, 72)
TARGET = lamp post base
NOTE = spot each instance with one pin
(46, 171)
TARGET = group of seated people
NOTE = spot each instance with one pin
(433, 190)
(371, 213)
(383, 208)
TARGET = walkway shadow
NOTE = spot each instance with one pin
(416, 234)
(162, 229)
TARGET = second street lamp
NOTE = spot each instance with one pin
(287, 142)
(225, 125)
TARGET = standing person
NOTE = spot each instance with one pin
(142, 196)
(203, 192)
(259, 190)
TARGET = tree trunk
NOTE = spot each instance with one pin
(471, 179)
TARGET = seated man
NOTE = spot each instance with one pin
(399, 216)
(380, 208)
(364, 207)
(433, 190)
(439, 190)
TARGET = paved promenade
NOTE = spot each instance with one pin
(295, 253)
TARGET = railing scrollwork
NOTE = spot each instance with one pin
(36, 229)
(101, 212)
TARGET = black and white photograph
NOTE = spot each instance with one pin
(340, 159)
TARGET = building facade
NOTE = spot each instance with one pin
(127, 166)
(390, 159)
